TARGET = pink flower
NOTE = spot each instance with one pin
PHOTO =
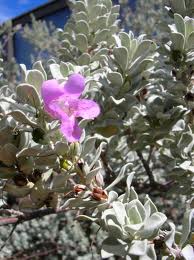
(62, 102)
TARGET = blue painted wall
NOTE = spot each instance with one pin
(23, 49)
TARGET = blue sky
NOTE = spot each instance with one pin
(12, 8)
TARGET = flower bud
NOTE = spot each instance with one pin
(79, 188)
(74, 149)
(99, 194)
(66, 164)
(99, 179)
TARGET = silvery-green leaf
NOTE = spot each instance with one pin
(61, 148)
(35, 78)
(145, 46)
(84, 59)
(149, 206)
(107, 3)
(190, 41)
(88, 146)
(132, 195)
(186, 227)
(100, 23)
(26, 165)
(134, 215)
(120, 212)
(121, 175)
(90, 176)
(8, 154)
(82, 27)
(137, 209)
(81, 42)
(84, 217)
(98, 10)
(170, 236)
(111, 246)
(28, 94)
(132, 229)
(180, 23)
(186, 142)
(112, 196)
(64, 69)
(7, 172)
(102, 35)
(58, 183)
(38, 66)
(152, 225)
(115, 78)
(80, 203)
(114, 229)
(129, 180)
(178, 41)
(188, 252)
(25, 139)
(111, 19)
(150, 253)
(65, 44)
(115, 9)
(189, 24)
(139, 66)
(66, 54)
(81, 16)
(39, 195)
(179, 126)
(99, 53)
(138, 247)
(125, 40)
(117, 101)
(21, 117)
(35, 151)
(179, 6)
(23, 71)
(80, 6)
(97, 155)
(55, 71)
(18, 191)
(121, 57)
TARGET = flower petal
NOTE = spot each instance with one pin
(63, 106)
(87, 109)
(70, 129)
(50, 91)
(74, 86)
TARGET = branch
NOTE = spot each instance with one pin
(109, 177)
(146, 167)
(153, 184)
(29, 216)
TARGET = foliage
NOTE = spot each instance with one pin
(141, 22)
(45, 43)
(143, 136)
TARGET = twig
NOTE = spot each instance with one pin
(150, 154)
(146, 167)
(11, 212)
(10, 234)
(153, 184)
(29, 216)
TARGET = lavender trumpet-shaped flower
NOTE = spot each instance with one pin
(62, 102)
